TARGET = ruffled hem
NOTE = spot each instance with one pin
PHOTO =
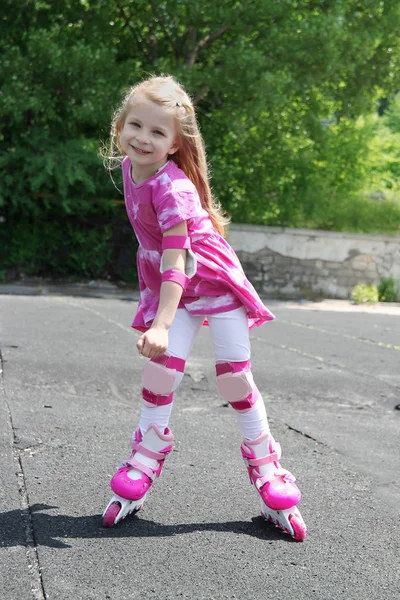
(219, 285)
(218, 263)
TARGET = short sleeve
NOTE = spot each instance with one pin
(175, 201)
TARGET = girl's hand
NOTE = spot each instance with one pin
(153, 342)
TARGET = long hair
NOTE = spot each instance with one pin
(166, 91)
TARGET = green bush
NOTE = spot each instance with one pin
(363, 293)
(58, 250)
(389, 290)
(101, 249)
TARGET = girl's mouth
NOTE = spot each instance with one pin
(139, 151)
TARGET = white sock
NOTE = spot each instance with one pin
(158, 414)
(253, 422)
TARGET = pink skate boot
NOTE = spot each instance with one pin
(137, 474)
(278, 492)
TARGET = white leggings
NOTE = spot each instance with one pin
(230, 337)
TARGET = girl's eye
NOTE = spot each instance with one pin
(158, 132)
(134, 124)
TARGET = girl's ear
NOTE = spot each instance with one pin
(174, 148)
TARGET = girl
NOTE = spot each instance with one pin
(189, 276)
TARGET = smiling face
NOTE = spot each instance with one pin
(148, 137)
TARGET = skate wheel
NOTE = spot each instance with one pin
(299, 527)
(111, 514)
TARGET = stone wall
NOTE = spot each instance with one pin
(302, 263)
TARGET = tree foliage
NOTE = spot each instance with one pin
(278, 84)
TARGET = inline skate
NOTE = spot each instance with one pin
(279, 495)
(136, 475)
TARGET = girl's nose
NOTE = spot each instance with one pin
(142, 137)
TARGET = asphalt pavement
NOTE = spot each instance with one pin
(69, 401)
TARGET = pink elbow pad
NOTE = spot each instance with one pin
(177, 277)
(176, 241)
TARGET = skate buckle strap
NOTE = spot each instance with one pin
(280, 473)
(137, 447)
(152, 473)
(265, 460)
(276, 448)
(135, 464)
(285, 475)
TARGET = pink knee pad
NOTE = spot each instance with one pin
(235, 384)
(159, 376)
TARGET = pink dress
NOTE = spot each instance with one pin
(219, 284)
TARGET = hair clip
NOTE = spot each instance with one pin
(179, 103)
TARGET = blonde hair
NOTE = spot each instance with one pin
(166, 91)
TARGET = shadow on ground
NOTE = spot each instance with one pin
(48, 529)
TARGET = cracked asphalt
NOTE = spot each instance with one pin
(69, 400)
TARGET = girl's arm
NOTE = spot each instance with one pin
(154, 342)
